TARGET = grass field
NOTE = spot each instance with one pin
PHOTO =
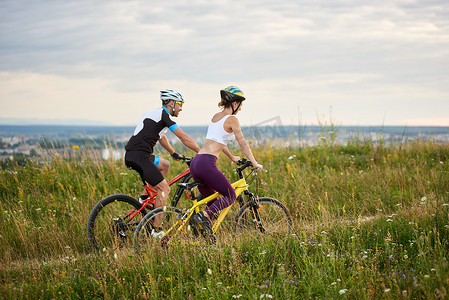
(371, 221)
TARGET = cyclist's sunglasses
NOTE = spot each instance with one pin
(180, 103)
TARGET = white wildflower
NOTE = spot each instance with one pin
(237, 296)
(341, 292)
(266, 296)
(389, 220)
(386, 290)
(333, 283)
(209, 271)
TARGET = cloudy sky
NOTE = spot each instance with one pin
(345, 61)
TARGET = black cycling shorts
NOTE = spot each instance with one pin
(145, 165)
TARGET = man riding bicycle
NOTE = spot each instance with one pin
(150, 130)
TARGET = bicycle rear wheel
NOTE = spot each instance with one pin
(110, 225)
(265, 215)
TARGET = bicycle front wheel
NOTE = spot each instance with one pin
(265, 215)
(112, 222)
(146, 236)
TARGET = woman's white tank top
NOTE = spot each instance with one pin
(216, 132)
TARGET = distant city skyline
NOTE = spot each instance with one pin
(353, 63)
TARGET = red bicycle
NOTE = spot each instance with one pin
(112, 221)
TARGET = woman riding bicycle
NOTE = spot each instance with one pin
(224, 127)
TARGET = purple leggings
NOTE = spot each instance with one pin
(204, 169)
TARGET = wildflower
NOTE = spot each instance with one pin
(389, 220)
(391, 256)
(168, 279)
(426, 276)
(291, 157)
(423, 199)
(237, 296)
(433, 270)
(386, 290)
(405, 256)
(341, 292)
(75, 147)
(219, 283)
(209, 271)
(38, 209)
(445, 204)
(446, 226)
(333, 283)
(266, 296)
(263, 252)
(115, 256)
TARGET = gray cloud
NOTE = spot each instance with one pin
(348, 46)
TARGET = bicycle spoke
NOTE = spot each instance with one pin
(269, 217)
(109, 225)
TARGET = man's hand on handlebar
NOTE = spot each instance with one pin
(177, 156)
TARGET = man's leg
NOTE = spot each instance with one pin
(162, 189)
(163, 166)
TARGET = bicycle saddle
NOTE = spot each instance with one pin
(189, 185)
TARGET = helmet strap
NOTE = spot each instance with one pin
(172, 108)
(234, 110)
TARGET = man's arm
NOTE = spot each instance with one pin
(166, 144)
(186, 140)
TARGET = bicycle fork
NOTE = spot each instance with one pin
(255, 212)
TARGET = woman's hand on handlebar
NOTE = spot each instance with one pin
(235, 159)
(257, 166)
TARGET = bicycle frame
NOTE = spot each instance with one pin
(152, 193)
(239, 186)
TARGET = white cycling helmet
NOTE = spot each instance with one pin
(168, 94)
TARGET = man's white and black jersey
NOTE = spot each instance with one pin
(151, 128)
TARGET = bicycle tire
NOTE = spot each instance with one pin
(108, 227)
(274, 217)
(143, 239)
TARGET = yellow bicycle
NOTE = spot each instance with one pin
(257, 214)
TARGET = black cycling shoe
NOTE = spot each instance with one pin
(203, 223)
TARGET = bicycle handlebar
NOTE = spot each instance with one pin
(243, 163)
